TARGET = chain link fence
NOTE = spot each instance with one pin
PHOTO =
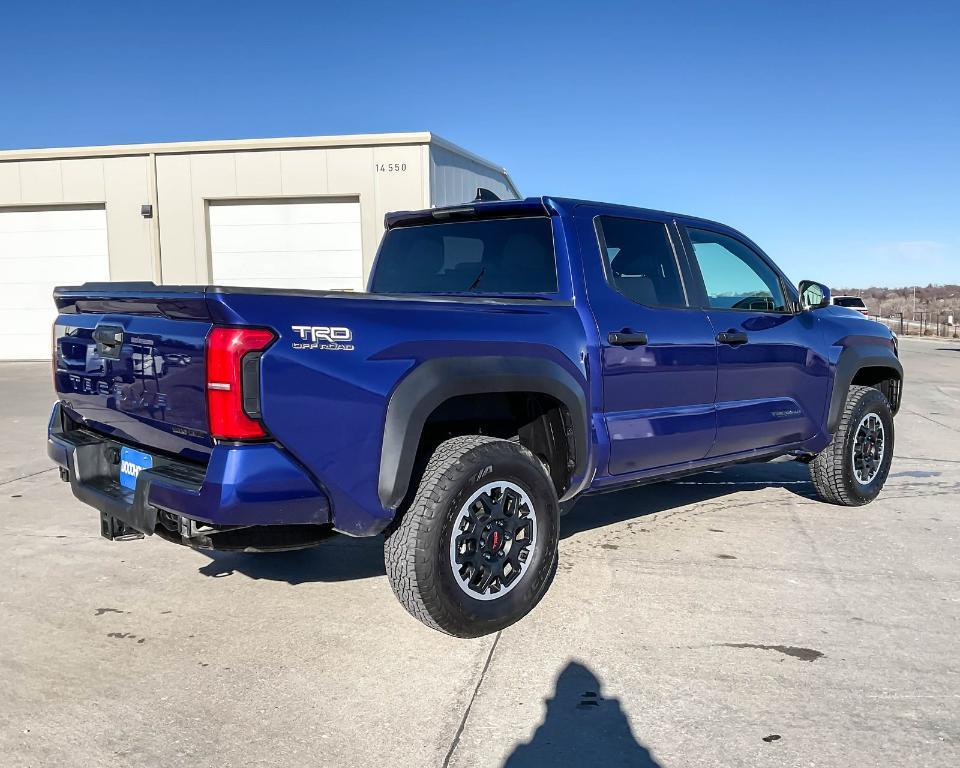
(944, 323)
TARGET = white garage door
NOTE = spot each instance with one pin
(287, 244)
(40, 249)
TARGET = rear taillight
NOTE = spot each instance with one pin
(233, 382)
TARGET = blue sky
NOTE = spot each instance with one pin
(828, 132)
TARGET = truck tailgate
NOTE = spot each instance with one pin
(132, 366)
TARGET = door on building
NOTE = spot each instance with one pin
(41, 248)
(311, 244)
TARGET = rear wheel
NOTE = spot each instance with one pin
(477, 549)
(852, 470)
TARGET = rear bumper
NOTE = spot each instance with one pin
(256, 484)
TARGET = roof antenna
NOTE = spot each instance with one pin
(485, 196)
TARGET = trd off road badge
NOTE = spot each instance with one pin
(323, 337)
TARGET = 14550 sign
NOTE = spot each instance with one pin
(390, 167)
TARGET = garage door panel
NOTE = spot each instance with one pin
(20, 321)
(312, 244)
(61, 269)
(87, 242)
(303, 263)
(25, 346)
(329, 283)
(283, 213)
(57, 270)
(40, 249)
(286, 238)
(39, 293)
(52, 219)
(35, 295)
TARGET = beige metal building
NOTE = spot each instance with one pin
(302, 212)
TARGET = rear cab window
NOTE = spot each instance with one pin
(488, 256)
(850, 301)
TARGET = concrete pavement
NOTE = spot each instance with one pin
(723, 619)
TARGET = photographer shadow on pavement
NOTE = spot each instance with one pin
(581, 728)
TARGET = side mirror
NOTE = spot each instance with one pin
(814, 295)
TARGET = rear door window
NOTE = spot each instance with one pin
(493, 256)
(640, 262)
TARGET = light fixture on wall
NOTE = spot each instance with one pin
(146, 210)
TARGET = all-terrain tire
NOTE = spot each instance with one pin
(418, 548)
(833, 472)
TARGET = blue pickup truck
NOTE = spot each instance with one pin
(507, 358)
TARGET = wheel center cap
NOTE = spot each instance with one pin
(493, 538)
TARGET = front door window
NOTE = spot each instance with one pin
(734, 276)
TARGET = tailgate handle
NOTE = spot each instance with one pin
(109, 340)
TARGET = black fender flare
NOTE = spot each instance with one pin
(854, 359)
(435, 381)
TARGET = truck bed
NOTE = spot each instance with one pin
(324, 382)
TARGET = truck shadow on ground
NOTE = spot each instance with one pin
(338, 559)
(582, 727)
(345, 559)
(610, 508)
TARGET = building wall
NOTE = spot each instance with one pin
(122, 184)
(383, 178)
(385, 172)
(454, 178)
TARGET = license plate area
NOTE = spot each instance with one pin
(131, 464)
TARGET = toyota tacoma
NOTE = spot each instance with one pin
(507, 358)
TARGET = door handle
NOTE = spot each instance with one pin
(733, 338)
(626, 338)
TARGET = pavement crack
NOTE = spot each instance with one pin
(829, 577)
(24, 477)
(466, 713)
(925, 459)
(938, 423)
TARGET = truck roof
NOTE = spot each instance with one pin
(532, 206)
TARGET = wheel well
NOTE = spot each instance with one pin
(539, 422)
(887, 380)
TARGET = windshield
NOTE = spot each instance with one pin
(487, 256)
(849, 301)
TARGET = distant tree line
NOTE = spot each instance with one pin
(932, 299)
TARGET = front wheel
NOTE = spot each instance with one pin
(477, 548)
(852, 470)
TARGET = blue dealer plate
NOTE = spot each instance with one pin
(131, 462)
